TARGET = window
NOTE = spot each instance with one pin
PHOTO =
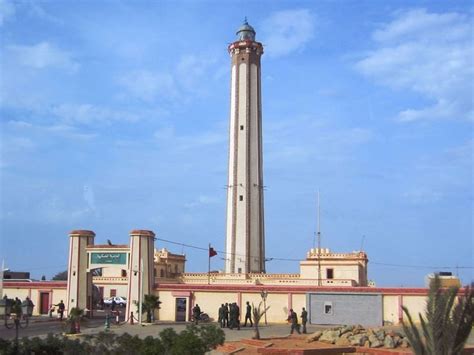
(162, 273)
(239, 270)
(329, 273)
(113, 292)
(176, 269)
(241, 128)
(241, 197)
(328, 308)
(124, 273)
(154, 272)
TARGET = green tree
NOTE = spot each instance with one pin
(60, 276)
(150, 303)
(257, 314)
(447, 324)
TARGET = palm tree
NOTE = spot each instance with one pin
(447, 325)
(257, 314)
(150, 303)
(74, 319)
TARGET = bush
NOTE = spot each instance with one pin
(192, 340)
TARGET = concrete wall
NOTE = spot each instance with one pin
(345, 308)
(210, 300)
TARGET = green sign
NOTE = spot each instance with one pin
(108, 258)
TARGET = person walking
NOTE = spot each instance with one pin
(196, 314)
(248, 315)
(293, 318)
(226, 315)
(304, 319)
(61, 308)
(237, 315)
(221, 319)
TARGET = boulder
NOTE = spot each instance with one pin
(346, 335)
(358, 339)
(405, 343)
(358, 329)
(314, 337)
(346, 329)
(342, 341)
(330, 336)
(389, 342)
(374, 341)
(380, 334)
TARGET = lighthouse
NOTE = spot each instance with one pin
(245, 233)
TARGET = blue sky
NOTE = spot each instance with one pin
(114, 116)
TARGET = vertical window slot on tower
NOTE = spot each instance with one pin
(241, 197)
(241, 128)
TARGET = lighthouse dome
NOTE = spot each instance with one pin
(246, 32)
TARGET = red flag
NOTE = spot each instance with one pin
(212, 252)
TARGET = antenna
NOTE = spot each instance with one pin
(319, 241)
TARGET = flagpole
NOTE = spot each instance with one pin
(209, 265)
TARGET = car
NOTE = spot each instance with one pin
(119, 301)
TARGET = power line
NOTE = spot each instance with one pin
(289, 259)
(423, 266)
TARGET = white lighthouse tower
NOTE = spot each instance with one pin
(245, 241)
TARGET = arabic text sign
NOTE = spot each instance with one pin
(108, 258)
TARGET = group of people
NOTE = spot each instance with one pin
(16, 305)
(293, 319)
(229, 315)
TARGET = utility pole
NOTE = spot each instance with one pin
(319, 242)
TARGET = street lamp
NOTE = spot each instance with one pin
(18, 313)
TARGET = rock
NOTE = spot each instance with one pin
(389, 342)
(367, 344)
(358, 329)
(397, 340)
(346, 335)
(358, 339)
(374, 341)
(343, 342)
(330, 336)
(405, 343)
(380, 334)
(346, 329)
(314, 337)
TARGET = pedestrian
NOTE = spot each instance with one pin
(248, 315)
(226, 315)
(196, 314)
(304, 319)
(113, 304)
(221, 319)
(61, 308)
(293, 318)
(231, 316)
(237, 315)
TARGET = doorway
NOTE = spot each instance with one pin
(180, 309)
(44, 302)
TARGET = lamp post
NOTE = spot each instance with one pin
(19, 313)
(264, 295)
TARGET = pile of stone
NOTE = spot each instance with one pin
(350, 335)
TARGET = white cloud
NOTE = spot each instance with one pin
(284, 32)
(192, 70)
(89, 114)
(148, 85)
(201, 201)
(168, 135)
(59, 130)
(7, 10)
(42, 55)
(429, 54)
